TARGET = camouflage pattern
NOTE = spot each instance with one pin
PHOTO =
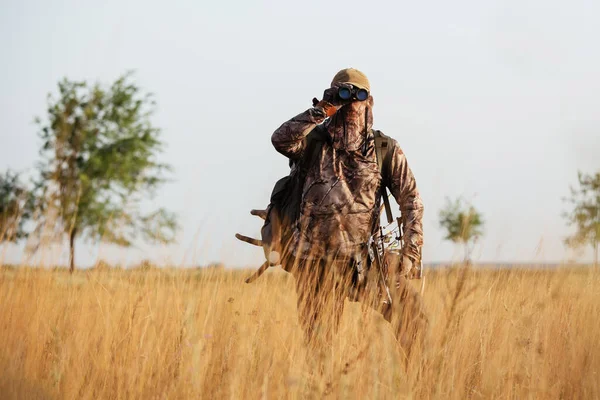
(339, 211)
(322, 285)
(341, 196)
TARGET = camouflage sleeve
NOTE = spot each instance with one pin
(288, 139)
(403, 186)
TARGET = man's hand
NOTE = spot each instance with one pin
(331, 102)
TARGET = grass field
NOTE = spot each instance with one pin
(170, 334)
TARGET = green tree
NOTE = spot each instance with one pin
(585, 215)
(15, 207)
(463, 224)
(99, 162)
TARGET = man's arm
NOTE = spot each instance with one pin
(288, 139)
(403, 186)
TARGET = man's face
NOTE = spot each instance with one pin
(353, 114)
(347, 127)
(357, 108)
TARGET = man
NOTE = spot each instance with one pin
(339, 208)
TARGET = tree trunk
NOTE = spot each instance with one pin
(467, 256)
(72, 250)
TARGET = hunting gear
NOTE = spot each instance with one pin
(323, 220)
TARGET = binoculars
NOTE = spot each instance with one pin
(346, 92)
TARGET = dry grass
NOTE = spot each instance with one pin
(205, 334)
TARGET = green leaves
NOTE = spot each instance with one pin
(15, 207)
(99, 151)
(462, 223)
(585, 214)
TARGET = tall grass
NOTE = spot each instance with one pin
(170, 334)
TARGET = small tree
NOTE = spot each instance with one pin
(15, 202)
(463, 224)
(99, 149)
(585, 215)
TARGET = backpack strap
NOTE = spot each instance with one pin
(382, 145)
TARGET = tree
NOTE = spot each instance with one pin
(99, 162)
(15, 202)
(585, 215)
(463, 224)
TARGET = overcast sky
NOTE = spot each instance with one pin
(497, 101)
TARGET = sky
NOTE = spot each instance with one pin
(495, 101)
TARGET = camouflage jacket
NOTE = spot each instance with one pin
(341, 194)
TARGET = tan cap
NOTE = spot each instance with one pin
(352, 76)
